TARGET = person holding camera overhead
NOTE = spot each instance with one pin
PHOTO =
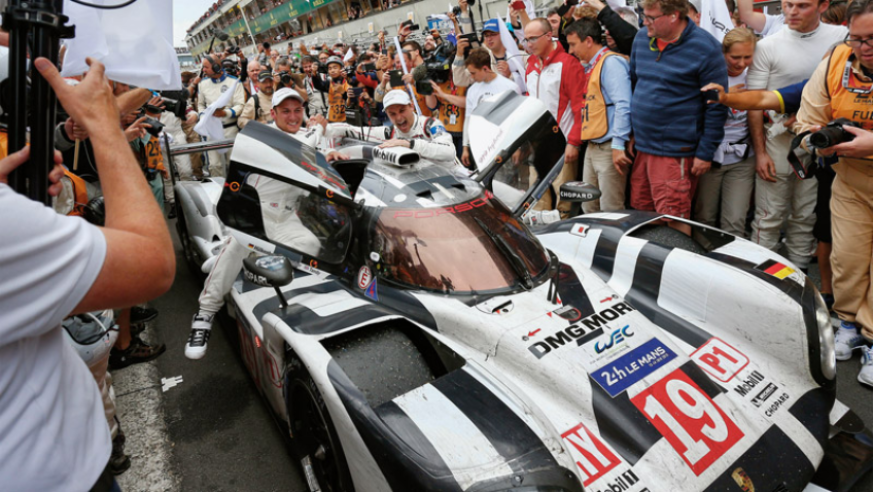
(216, 82)
(842, 87)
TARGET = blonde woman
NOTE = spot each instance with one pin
(728, 184)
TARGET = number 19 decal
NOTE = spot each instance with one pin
(691, 422)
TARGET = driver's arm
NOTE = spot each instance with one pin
(440, 147)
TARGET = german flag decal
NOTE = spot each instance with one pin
(775, 269)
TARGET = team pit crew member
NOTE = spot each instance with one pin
(215, 83)
(425, 135)
(279, 208)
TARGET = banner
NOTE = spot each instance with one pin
(715, 18)
(134, 42)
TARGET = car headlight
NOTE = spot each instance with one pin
(827, 352)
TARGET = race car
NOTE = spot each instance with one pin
(433, 341)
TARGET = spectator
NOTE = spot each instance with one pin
(316, 102)
(839, 88)
(253, 68)
(51, 266)
(761, 23)
(694, 11)
(459, 70)
(486, 84)
(835, 14)
(621, 25)
(264, 53)
(676, 132)
(336, 88)
(499, 56)
(255, 108)
(728, 184)
(606, 124)
(285, 76)
(414, 50)
(781, 199)
(210, 90)
(556, 78)
(385, 86)
(447, 104)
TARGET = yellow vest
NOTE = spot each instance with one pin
(337, 105)
(451, 116)
(855, 107)
(595, 121)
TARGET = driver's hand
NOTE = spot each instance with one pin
(336, 156)
(15, 159)
(318, 120)
(394, 142)
(465, 158)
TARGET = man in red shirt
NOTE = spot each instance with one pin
(557, 79)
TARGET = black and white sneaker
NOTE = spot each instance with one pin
(201, 328)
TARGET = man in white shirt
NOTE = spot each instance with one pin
(486, 84)
(787, 57)
(53, 434)
(761, 23)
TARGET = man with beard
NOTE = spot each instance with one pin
(255, 108)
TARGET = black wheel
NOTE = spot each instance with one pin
(185, 239)
(668, 236)
(314, 440)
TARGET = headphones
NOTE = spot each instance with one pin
(216, 68)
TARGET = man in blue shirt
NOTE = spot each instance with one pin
(606, 118)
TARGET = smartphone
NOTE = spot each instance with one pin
(396, 78)
(369, 67)
(518, 5)
(711, 95)
(414, 27)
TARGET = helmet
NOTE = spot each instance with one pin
(91, 334)
(334, 59)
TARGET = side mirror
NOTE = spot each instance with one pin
(270, 271)
(578, 192)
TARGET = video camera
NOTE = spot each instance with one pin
(439, 65)
(174, 102)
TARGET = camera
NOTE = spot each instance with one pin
(175, 102)
(369, 67)
(156, 126)
(832, 134)
(233, 50)
(457, 9)
(230, 67)
(285, 79)
(473, 38)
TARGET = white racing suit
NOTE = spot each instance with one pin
(427, 136)
(279, 204)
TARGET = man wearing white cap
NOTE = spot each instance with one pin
(278, 206)
(425, 135)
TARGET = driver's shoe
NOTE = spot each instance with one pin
(847, 339)
(201, 328)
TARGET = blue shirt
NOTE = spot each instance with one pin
(789, 97)
(616, 88)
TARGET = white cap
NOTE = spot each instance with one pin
(284, 93)
(696, 4)
(396, 96)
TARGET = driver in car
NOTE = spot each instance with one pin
(425, 135)
(279, 205)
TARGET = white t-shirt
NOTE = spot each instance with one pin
(481, 90)
(772, 24)
(53, 434)
(736, 129)
(788, 57)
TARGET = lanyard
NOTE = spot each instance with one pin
(847, 75)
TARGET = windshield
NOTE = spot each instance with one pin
(474, 246)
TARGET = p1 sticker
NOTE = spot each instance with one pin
(775, 269)
(692, 423)
(364, 277)
(633, 366)
(592, 457)
(719, 360)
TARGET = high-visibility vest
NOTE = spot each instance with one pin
(853, 106)
(595, 119)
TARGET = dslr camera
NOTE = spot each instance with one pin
(833, 134)
(174, 102)
(155, 128)
(230, 67)
(457, 9)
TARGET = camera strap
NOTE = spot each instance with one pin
(802, 171)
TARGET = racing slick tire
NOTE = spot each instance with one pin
(314, 441)
(668, 236)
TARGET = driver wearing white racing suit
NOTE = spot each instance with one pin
(426, 136)
(279, 203)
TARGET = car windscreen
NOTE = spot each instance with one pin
(471, 247)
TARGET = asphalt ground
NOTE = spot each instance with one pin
(220, 434)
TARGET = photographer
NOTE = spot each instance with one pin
(448, 101)
(284, 76)
(52, 266)
(316, 102)
(840, 87)
(336, 87)
(255, 108)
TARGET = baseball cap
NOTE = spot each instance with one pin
(695, 4)
(491, 25)
(264, 75)
(285, 93)
(396, 96)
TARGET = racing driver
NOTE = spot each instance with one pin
(425, 135)
(281, 223)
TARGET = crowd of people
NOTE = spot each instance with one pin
(656, 112)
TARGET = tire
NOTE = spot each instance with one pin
(313, 434)
(668, 236)
(185, 239)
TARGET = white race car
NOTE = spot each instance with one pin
(433, 341)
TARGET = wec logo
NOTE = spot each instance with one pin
(616, 337)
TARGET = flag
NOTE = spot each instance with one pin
(134, 42)
(776, 269)
(513, 56)
(715, 18)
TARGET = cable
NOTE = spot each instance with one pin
(104, 7)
